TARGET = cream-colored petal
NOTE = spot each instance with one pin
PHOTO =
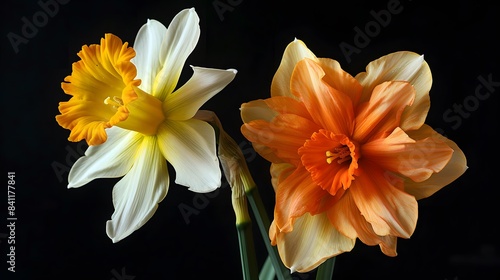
(313, 241)
(147, 46)
(136, 196)
(294, 52)
(257, 110)
(203, 85)
(191, 149)
(111, 159)
(401, 66)
(388, 209)
(453, 169)
(180, 40)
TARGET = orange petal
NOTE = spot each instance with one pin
(295, 196)
(389, 210)
(417, 160)
(287, 105)
(260, 134)
(284, 135)
(456, 166)
(340, 80)
(266, 152)
(273, 233)
(344, 216)
(381, 115)
(267, 109)
(388, 245)
(329, 108)
(347, 219)
(401, 66)
(279, 172)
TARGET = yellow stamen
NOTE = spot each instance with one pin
(342, 153)
(115, 102)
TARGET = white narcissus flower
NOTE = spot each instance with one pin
(125, 103)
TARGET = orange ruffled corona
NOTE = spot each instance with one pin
(350, 155)
(105, 93)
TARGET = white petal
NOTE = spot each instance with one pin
(181, 38)
(312, 241)
(136, 196)
(190, 147)
(147, 46)
(203, 85)
(109, 160)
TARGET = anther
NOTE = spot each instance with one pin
(343, 154)
(115, 101)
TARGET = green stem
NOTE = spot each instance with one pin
(247, 251)
(267, 272)
(325, 270)
(263, 223)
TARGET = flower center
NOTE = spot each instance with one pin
(331, 168)
(144, 112)
(115, 102)
(105, 93)
(343, 154)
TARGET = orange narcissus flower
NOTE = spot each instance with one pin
(350, 156)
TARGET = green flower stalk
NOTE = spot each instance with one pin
(243, 187)
(239, 179)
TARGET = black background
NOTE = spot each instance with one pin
(60, 233)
